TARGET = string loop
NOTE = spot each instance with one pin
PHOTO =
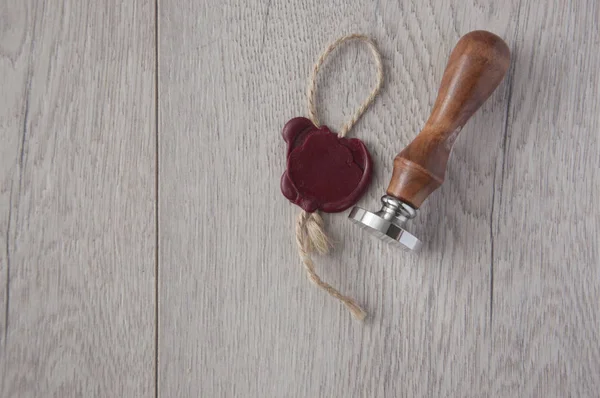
(312, 111)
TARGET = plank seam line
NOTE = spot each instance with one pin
(156, 200)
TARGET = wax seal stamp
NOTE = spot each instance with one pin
(476, 67)
(324, 172)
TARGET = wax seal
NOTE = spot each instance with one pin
(324, 171)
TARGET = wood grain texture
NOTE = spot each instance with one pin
(502, 301)
(546, 223)
(237, 315)
(77, 198)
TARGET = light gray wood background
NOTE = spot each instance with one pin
(147, 250)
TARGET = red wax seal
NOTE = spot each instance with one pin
(324, 172)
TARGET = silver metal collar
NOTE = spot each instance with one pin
(388, 223)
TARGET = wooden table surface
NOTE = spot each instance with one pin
(146, 249)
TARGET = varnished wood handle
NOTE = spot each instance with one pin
(476, 67)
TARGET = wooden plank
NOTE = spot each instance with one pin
(546, 322)
(237, 315)
(77, 198)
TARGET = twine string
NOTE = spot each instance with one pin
(312, 111)
(310, 233)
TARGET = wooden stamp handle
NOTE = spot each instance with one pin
(476, 67)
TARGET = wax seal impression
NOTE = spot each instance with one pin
(324, 172)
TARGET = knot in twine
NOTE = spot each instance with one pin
(310, 234)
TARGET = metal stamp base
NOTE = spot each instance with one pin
(388, 223)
